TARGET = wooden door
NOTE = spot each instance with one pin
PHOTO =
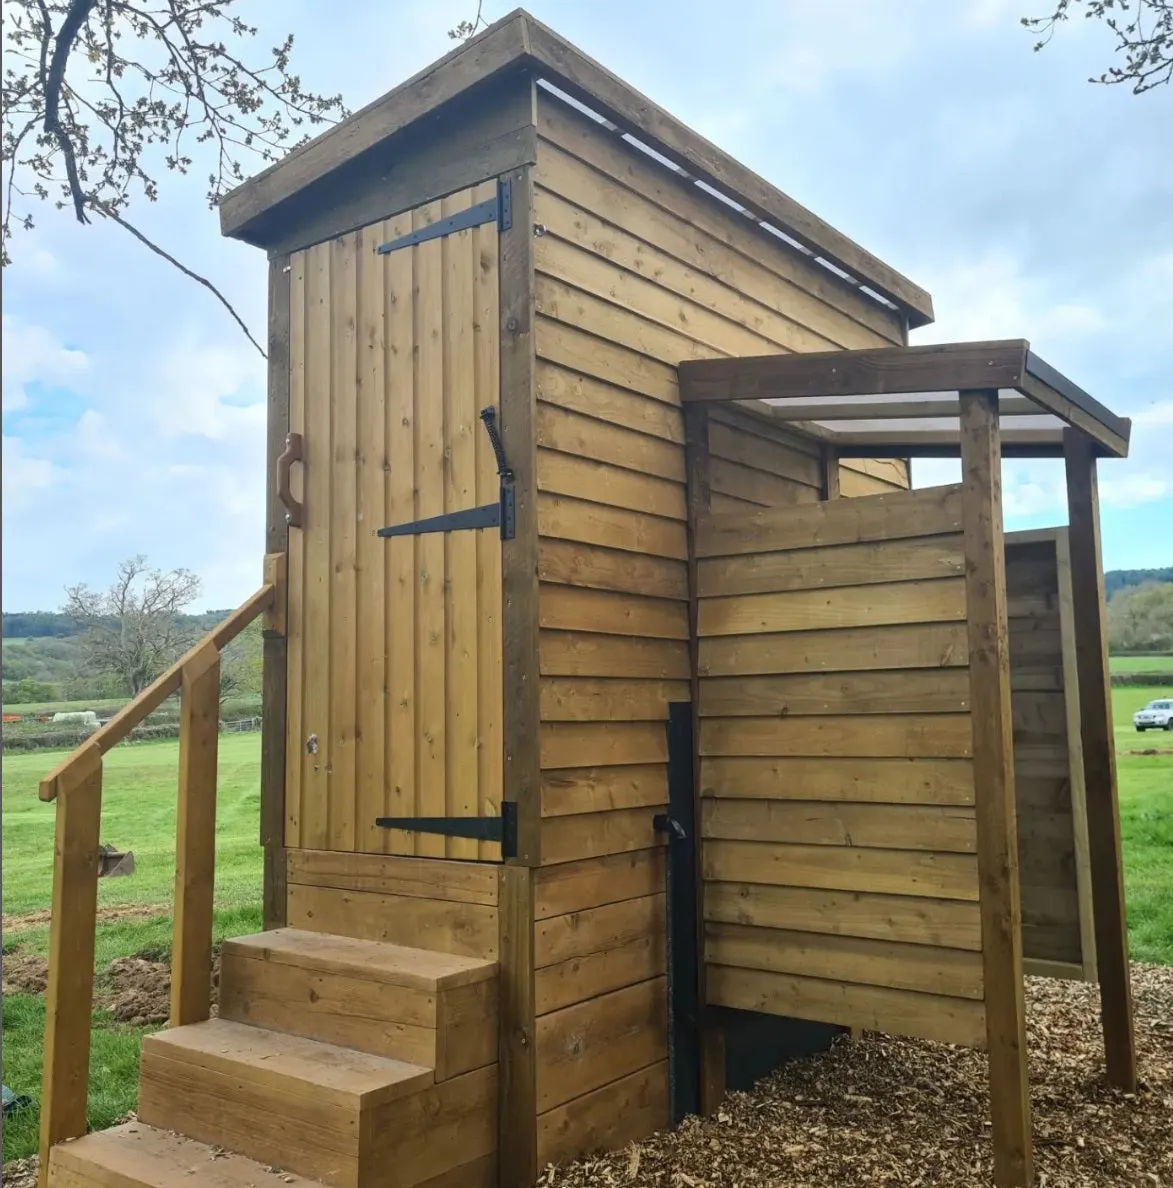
(395, 682)
(838, 835)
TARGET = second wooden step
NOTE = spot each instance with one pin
(429, 1008)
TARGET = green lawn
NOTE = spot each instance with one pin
(138, 813)
(1141, 664)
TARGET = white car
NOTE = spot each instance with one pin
(1157, 715)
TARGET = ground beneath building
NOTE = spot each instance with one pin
(890, 1113)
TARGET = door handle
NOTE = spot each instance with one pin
(293, 452)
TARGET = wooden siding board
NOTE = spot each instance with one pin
(838, 830)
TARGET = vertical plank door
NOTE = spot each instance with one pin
(394, 690)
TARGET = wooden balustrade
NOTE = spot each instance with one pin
(76, 785)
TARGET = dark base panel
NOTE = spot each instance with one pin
(757, 1044)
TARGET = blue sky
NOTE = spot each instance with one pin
(1029, 203)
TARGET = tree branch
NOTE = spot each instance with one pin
(53, 81)
(113, 215)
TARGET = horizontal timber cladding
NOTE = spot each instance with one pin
(425, 903)
(395, 678)
(838, 833)
(635, 270)
(1052, 823)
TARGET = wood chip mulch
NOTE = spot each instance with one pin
(882, 1112)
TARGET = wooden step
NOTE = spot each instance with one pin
(347, 1118)
(136, 1155)
(427, 1008)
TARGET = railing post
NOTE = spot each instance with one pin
(70, 990)
(195, 838)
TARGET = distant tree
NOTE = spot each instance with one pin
(26, 692)
(240, 663)
(1140, 619)
(1144, 35)
(102, 98)
(1120, 579)
(32, 624)
(134, 629)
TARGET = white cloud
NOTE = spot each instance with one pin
(208, 390)
(23, 475)
(34, 354)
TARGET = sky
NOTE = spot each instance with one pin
(1027, 201)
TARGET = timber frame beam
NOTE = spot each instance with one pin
(866, 402)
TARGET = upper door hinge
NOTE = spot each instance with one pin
(498, 209)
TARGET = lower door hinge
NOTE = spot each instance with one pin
(501, 829)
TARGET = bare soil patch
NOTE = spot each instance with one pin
(23, 921)
(22, 973)
(136, 990)
(892, 1113)
(20, 1173)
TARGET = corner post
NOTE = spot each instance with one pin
(1099, 759)
(711, 1039)
(993, 774)
(275, 652)
(517, 1150)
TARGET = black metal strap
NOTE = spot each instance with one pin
(487, 516)
(501, 829)
(497, 209)
(490, 515)
(683, 948)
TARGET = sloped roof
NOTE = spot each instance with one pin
(518, 41)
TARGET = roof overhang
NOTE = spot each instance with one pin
(519, 42)
(904, 401)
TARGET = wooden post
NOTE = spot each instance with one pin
(274, 671)
(70, 989)
(830, 473)
(517, 1119)
(993, 772)
(195, 839)
(1099, 759)
(711, 1041)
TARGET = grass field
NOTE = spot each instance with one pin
(139, 814)
(1142, 664)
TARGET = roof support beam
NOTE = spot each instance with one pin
(859, 410)
(945, 367)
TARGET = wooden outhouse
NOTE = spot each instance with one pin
(623, 703)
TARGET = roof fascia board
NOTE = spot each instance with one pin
(1074, 394)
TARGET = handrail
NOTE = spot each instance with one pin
(76, 785)
(157, 692)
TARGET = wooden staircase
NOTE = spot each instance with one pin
(353, 1063)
